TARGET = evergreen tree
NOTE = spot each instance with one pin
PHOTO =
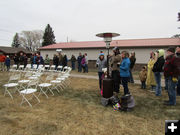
(15, 42)
(48, 37)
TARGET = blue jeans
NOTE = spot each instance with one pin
(143, 85)
(171, 91)
(125, 84)
(131, 77)
(166, 83)
(100, 79)
(158, 83)
(79, 67)
(86, 68)
(73, 65)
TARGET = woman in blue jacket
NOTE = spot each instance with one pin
(7, 62)
(124, 71)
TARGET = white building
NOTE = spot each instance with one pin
(142, 47)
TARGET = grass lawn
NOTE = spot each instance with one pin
(77, 111)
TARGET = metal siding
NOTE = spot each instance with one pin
(142, 54)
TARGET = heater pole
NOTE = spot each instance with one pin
(108, 76)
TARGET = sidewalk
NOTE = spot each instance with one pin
(96, 77)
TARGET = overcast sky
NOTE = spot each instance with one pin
(80, 20)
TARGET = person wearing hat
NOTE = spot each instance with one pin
(100, 64)
(115, 62)
(7, 62)
(170, 71)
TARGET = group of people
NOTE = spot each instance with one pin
(165, 64)
(119, 64)
(161, 62)
(4, 62)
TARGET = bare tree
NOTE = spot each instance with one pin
(31, 40)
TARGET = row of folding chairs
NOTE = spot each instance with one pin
(36, 67)
(29, 83)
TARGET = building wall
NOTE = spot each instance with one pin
(142, 54)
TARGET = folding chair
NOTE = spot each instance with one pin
(30, 90)
(46, 86)
(12, 83)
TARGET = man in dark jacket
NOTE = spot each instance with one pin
(178, 64)
(133, 61)
(158, 69)
(170, 72)
(79, 59)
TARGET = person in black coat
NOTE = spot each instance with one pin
(55, 61)
(65, 60)
(158, 69)
(25, 60)
(21, 59)
(16, 59)
(133, 61)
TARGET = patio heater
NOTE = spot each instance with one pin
(107, 82)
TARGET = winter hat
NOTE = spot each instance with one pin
(161, 52)
(171, 49)
(101, 54)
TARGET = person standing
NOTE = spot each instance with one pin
(124, 71)
(86, 63)
(79, 59)
(21, 59)
(55, 61)
(2, 61)
(115, 63)
(171, 72)
(83, 62)
(100, 64)
(38, 60)
(73, 61)
(47, 61)
(178, 65)
(65, 60)
(16, 59)
(150, 81)
(143, 77)
(60, 57)
(133, 61)
(25, 61)
(7, 62)
(158, 69)
(32, 60)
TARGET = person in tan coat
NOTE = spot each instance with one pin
(143, 77)
(114, 64)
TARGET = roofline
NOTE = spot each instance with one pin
(105, 47)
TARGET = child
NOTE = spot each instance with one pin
(7, 62)
(143, 77)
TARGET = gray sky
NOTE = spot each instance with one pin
(80, 20)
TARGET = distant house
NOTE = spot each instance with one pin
(142, 47)
(11, 51)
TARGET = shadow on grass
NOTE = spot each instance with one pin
(151, 107)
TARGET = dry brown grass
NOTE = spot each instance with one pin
(77, 111)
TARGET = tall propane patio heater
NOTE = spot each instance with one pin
(107, 82)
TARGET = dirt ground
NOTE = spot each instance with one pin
(77, 111)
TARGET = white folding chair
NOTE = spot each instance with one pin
(52, 68)
(12, 83)
(30, 90)
(46, 86)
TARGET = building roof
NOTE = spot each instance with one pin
(154, 42)
(11, 50)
